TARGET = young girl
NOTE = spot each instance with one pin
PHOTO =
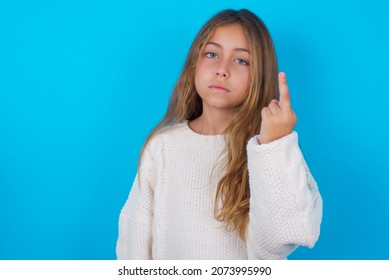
(222, 175)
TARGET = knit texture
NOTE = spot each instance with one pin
(169, 212)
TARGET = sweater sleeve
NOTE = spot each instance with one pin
(136, 217)
(285, 203)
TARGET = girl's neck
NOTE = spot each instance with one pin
(210, 124)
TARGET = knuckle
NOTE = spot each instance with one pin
(294, 116)
(264, 113)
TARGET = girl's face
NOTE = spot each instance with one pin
(222, 71)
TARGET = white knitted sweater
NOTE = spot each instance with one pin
(170, 214)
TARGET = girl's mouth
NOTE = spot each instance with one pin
(218, 88)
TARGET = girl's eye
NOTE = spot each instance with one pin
(242, 61)
(211, 55)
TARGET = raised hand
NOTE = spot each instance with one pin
(278, 118)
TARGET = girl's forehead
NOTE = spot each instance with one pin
(232, 34)
(228, 29)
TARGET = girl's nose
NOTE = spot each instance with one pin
(222, 74)
(222, 70)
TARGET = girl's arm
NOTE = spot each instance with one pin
(136, 217)
(285, 203)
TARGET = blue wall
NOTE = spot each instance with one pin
(83, 82)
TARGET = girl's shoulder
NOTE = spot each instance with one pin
(168, 134)
(181, 135)
(172, 130)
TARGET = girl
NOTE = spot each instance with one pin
(222, 175)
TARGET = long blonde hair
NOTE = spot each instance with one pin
(185, 104)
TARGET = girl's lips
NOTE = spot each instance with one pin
(218, 88)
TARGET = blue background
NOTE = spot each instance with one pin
(83, 82)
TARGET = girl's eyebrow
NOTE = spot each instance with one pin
(220, 47)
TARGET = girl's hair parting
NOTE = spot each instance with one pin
(233, 192)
